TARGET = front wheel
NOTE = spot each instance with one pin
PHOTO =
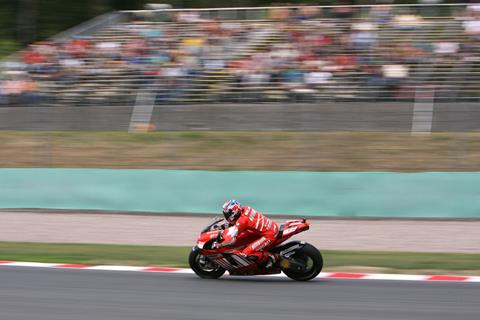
(311, 260)
(203, 267)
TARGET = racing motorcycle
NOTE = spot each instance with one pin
(298, 260)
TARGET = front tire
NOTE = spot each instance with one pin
(203, 267)
(313, 260)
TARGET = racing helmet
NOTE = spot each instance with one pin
(231, 210)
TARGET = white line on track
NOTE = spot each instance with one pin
(323, 275)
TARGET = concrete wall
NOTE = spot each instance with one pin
(381, 116)
(339, 194)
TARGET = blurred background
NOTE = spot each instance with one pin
(304, 67)
(126, 124)
(321, 108)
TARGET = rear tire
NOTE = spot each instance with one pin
(310, 255)
(203, 267)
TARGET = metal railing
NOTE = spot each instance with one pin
(443, 57)
(328, 11)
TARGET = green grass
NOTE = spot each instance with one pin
(401, 262)
(205, 150)
(404, 260)
(95, 254)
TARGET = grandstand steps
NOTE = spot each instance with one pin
(111, 78)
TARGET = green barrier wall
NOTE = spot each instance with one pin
(378, 194)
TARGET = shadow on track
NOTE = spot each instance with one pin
(260, 279)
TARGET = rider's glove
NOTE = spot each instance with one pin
(216, 244)
(220, 236)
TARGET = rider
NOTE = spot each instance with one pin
(246, 219)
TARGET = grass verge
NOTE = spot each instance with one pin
(391, 262)
(310, 151)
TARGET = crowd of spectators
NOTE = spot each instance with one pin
(294, 54)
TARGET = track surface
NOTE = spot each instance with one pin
(48, 294)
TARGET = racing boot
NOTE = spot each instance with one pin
(271, 260)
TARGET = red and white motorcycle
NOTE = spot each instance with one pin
(298, 260)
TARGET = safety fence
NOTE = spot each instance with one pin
(265, 54)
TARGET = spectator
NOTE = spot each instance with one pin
(472, 26)
(315, 78)
(279, 14)
(343, 10)
(413, 54)
(373, 79)
(407, 21)
(305, 12)
(254, 82)
(3, 93)
(394, 74)
(363, 36)
(446, 49)
(381, 14)
(189, 16)
(296, 51)
(345, 62)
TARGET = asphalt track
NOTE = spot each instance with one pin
(53, 294)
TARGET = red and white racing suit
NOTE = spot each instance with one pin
(252, 221)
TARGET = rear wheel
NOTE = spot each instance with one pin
(203, 267)
(310, 258)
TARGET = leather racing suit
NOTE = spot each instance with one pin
(253, 221)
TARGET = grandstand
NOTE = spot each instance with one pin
(243, 55)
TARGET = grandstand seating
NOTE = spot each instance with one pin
(263, 60)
